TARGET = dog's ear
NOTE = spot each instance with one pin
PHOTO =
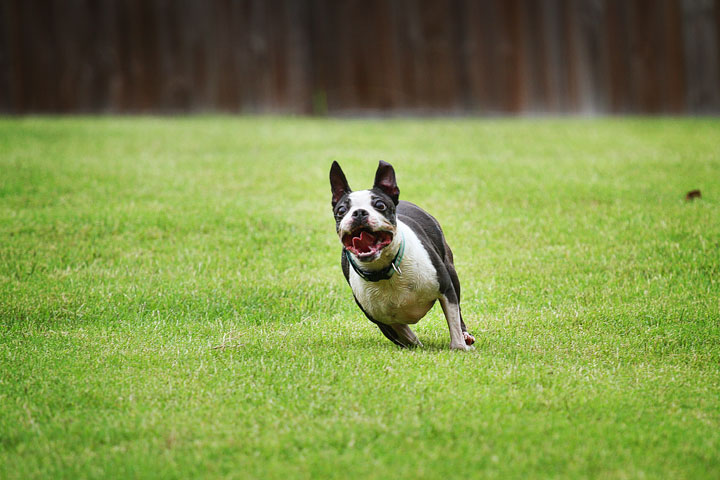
(338, 183)
(385, 181)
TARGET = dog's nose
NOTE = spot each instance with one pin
(359, 214)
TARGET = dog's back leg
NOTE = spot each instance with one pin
(456, 285)
(451, 309)
(469, 338)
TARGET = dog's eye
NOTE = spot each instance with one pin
(341, 210)
(379, 205)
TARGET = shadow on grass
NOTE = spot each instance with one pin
(379, 343)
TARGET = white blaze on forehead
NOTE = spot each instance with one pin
(362, 200)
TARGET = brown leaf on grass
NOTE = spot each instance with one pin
(692, 195)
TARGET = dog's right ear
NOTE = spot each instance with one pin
(385, 181)
(338, 183)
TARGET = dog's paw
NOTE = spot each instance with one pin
(460, 346)
(469, 339)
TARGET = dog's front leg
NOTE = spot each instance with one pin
(452, 315)
(407, 336)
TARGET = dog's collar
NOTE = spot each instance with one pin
(385, 273)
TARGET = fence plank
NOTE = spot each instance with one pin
(701, 64)
(5, 61)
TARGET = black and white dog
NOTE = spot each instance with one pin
(395, 258)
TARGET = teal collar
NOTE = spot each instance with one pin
(385, 273)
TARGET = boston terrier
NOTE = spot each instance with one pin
(395, 259)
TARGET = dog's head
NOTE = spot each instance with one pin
(365, 220)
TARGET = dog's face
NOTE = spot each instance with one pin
(365, 220)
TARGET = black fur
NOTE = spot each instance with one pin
(431, 235)
(385, 181)
(338, 183)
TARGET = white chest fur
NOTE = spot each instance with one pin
(402, 299)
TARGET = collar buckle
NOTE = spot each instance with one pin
(399, 272)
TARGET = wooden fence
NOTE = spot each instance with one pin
(354, 56)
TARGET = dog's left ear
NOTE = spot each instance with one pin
(385, 181)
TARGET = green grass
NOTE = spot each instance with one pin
(132, 248)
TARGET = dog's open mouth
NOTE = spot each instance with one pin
(365, 243)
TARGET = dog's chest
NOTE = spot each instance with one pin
(402, 298)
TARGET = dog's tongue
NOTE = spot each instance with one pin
(363, 242)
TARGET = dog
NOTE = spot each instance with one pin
(395, 259)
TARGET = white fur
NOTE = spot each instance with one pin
(402, 299)
(363, 199)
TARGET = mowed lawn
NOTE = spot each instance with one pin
(172, 304)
